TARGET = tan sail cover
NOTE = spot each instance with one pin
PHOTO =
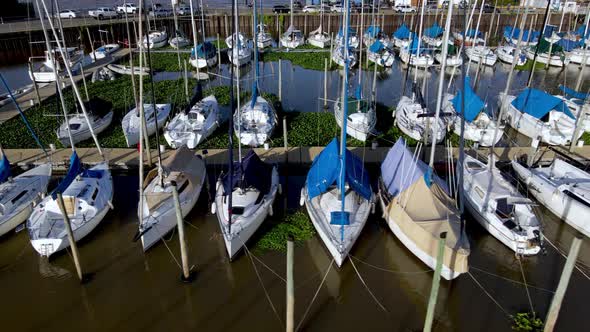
(183, 165)
(426, 213)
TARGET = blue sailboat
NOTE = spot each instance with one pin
(402, 36)
(337, 192)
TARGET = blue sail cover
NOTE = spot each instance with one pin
(376, 47)
(568, 44)
(401, 169)
(571, 93)
(549, 30)
(73, 171)
(325, 172)
(434, 31)
(205, 50)
(251, 172)
(473, 104)
(538, 103)
(402, 32)
(4, 169)
(471, 33)
(527, 35)
(351, 32)
(413, 47)
(580, 31)
(373, 31)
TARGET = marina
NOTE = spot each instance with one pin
(339, 169)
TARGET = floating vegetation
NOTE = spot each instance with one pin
(526, 321)
(529, 66)
(297, 224)
(307, 60)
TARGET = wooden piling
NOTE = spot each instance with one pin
(186, 82)
(325, 83)
(435, 283)
(35, 84)
(564, 280)
(280, 82)
(73, 245)
(186, 276)
(290, 286)
(285, 143)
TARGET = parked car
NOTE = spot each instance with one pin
(128, 8)
(337, 8)
(311, 9)
(160, 12)
(102, 13)
(404, 9)
(183, 9)
(67, 14)
(281, 9)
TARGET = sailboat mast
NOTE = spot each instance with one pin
(141, 111)
(546, 21)
(131, 59)
(231, 133)
(194, 28)
(202, 20)
(74, 85)
(473, 42)
(344, 115)
(291, 14)
(441, 82)
(256, 73)
(581, 115)
(57, 78)
(419, 42)
(236, 47)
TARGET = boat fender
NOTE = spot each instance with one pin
(555, 194)
(110, 203)
(213, 208)
(270, 210)
(280, 189)
(372, 207)
(301, 200)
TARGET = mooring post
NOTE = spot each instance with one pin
(186, 82)
(280, 83)
(566, 274)
(218, 52)
(435, 283)
(35, 84)
(290, 286)
(225, 24)
(92, 44)
(186, 276)
(84, 81)
(331, 48)
(73, 245)
(325, 83)
(285, 143)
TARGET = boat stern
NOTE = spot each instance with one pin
(49, 246)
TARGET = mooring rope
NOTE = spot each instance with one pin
(509, 280)
(528, 294)
(315, 295)
(367, 287)
(274, 309)
(388, 270)
(167, 247)
(267, 267)
(489, 295)
(565, 256)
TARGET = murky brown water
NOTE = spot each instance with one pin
(132, 291)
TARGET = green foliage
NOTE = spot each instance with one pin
(586, 138)
(307, 60)
(526, 321)
(296, 224)
(529, 66)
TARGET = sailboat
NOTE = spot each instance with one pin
(19, 194)
(373, 34)
(196, 122)
(337, 191)
(87, 193)
(155, 39)
(104, 51)
(293, 37)
(478, 52)
(239, 53)
(239, 37)
(498, 206)
(343, 57)
(479, 127)
(255, 121)
(319, 37)
(245, 194)
(454, 58)
(100, 116)
(506, 53)
(561, 187)
(264, 38)
(529, 37)
(361, 116)
(547, 53)
(416, 56)
(179, 40)
(402, 37)
(205, 54)
(433, 35)
(537, 114)
(154, 114)
(413, 118)
(380, 55)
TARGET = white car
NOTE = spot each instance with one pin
(102, 13)
(337, 8)
(67, 14)
(311, 9)
(128, 8)
(404, 9)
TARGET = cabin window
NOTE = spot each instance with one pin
(237, 210)
(183, 187)
(474, 165)
(479, 192)
(575, 197)
(75, 126)
(19, 196)
(94, 194)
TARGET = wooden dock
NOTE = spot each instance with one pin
(29, 100)
(127, 159)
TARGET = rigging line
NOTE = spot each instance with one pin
(510, 280)
(387, 270)
(167, 247)
(528, 294)
(367, 287)
(565, 256)
(268, 267)
(262, 284)
(315, 295)
(307, 280)
(489, 295)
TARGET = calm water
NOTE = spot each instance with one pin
(132, 291)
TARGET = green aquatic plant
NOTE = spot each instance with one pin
(307, 60)
(526, 321)
(528, 66)
(297, 224)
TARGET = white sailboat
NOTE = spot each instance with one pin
(154, 114)
(481, 54)
(506, 54)
(183, 169)
(562, 188)
(337, 191)
(413, 118)
(380, 55)
(205, 54)
(402, 37)
(264, 38)
(193, 125)
(104, 51)
(498, 206)
(155, 39)
(100, 116)
(361, 117)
